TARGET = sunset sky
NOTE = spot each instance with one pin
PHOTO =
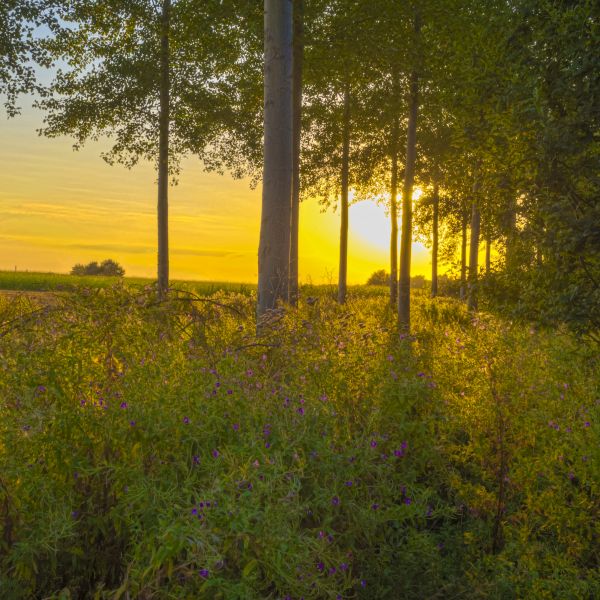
(60, 207)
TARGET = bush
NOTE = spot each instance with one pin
(108, 267)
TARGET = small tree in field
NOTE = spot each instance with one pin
(108, 267)
(379, 278)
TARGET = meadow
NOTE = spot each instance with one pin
(162, 450)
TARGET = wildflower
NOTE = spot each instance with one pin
(398, 453)
(320, 566)
(363, 583)
(229, 392)
(300, 411)
(204, 573)
(196, 460)
(332, 571)
(132, 423)
(587, 424)
(236, 426)
(407, 501)
(344, 567)
(374, 506)
(349, 483)
(123, 404)
(194, 511)
(267, 445)
(186, 420)
(373, 444)
(335, 501)
(215, 454)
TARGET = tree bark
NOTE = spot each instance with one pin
(298, 60)
(163, 153)
(409, 176)
(463, 257)
(274, 246)
(394, 215)
(343, 274)
(474, 250)
(488, 254)
(434, 249)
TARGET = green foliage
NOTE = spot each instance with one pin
(162, 450)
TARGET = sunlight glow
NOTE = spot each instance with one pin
(370, 224)
(417, 193)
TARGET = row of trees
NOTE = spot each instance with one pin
(491, 107)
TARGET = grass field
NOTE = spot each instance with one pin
(164, 451)
(56, 282)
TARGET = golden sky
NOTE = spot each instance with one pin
(60, 207)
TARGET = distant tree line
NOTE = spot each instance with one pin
(106, 267)
(491, 108)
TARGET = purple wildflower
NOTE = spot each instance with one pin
(335, 501)
(186, 420)
(204, 573)
(215, 454)
(123, 405)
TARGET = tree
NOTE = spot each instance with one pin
(19, 50)
(274, 248)
(379, 278)
(409, 175)
(108, 267)
(298, 59)
(152, 77)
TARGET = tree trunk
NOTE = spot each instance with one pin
(409, 176)
(474, 250)
(298, 59)
(394, 215)
(163, 154)
(342, 280)
(274, 247)
(463, 257)
(434, 249)
(488, 254)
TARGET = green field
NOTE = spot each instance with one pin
(26, 281)
(164, 451)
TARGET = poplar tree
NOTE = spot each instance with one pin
(275, 228)
(150, 76)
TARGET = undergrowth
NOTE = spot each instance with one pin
(164, 451)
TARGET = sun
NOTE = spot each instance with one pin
(370, 223)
